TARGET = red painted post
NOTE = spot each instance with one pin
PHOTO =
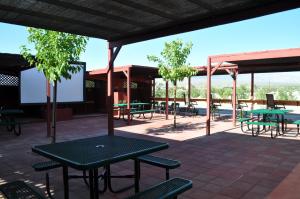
(234, 99)
(252, 90)
(208, 94)
(153, 90)
(167, 100)
(189, 89)
(48, 115)
(110, 119)
(128, 94)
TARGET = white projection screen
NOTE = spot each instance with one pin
(33, 87)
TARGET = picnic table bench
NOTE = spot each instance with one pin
(8, 119)
(261, 123)
(167, 189)
(142, 112)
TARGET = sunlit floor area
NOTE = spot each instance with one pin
(228, 164)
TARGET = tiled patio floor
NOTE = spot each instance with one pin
(225, 165)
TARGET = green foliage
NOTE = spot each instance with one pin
(54, 52)
(260, 92)
(173, 66)
(160, 90)
(243, 92)
(280, 92)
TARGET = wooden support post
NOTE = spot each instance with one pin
(112, 55)
(110, 98)
(252, 90)
(153, 90)
(128, 94)
(167, 100)
(48, 115)
(208, 96)
(234, 102)
(189, 90)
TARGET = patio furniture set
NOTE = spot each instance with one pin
(271, 118)
(136, 108)
(90, 154)
(189, 109)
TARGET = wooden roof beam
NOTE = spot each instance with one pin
(147, 9)
(54, 17)
(200, 23)
(94, 12)
(203, 5)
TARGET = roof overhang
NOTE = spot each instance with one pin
(146, 72)
(122, 22)
(12, 63)
(284, 60)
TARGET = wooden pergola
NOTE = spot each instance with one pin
(124, 22)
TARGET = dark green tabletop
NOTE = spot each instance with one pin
(270, 111)
(96, 152)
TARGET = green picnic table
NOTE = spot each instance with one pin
(137, 108)
(8, 119)
(267, 112)
(95, 152)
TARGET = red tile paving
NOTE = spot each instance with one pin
(225, 165)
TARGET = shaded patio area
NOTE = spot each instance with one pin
(225, 165)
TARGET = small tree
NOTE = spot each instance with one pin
(54, 51)
(173, 65)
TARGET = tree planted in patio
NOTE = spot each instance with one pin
(54, 53)
(173, 64)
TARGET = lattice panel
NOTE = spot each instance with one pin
(9, 80)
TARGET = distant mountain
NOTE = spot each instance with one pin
(263, 79)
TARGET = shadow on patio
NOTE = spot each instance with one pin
(223, 165)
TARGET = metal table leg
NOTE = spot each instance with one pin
(66, 182)
(136, 175)
(96, 193)
(91, 181)
(282, 124)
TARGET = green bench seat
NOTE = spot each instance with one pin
(166, 190)
(45, 166)
(11, 126)
(133, 112)
(297, 122)
(160, 162)
(242, 120)
(142, 111)
(261, 123)
(19, 190)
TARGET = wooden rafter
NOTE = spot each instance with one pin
(203, 5)
(72, 6)
(55, 18)
(147, 9)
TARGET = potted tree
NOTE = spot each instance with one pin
(173, 64)
(54, 53)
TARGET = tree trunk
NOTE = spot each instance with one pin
(174, 108)
(54, 112)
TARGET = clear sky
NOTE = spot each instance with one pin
(277, 31)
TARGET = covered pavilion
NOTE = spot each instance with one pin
(284, 60)
(132, 82)
(130, 21)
